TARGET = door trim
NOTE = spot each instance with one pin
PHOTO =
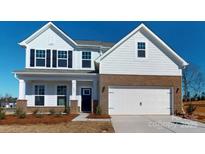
(91, 93)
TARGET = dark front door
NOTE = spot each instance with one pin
(86, 94)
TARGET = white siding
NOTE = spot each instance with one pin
(87, 84)
(123, 60)
(50, 40)
(77, 59)
(51, 91)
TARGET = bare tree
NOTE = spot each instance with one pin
(193, 81)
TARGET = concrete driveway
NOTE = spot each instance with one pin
(155, 124)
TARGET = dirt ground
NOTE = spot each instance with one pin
(69, 127)
(37, 119)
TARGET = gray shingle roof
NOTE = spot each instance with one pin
(96, 43)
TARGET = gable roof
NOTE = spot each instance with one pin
(77, 43)
(148, 31)
(43, 29)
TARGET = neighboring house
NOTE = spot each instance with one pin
(8, 104)
(138, 75)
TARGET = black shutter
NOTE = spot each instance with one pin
(70, 59)
(54, 57)
(48, 58)
(32, 60)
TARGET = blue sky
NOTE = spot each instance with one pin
(186, 38)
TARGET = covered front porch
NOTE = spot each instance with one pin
(78, 92)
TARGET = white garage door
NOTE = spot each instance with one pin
(139, 101)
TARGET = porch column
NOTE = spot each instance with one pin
(21, 90)
(74, 89)
(74, 109)
(22, 102)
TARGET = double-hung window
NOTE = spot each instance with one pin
(86, 59)
(39, 95)
(40, 58)
(141, 49)
(61, 95)
(62, 58)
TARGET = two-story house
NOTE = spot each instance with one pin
(138, 75)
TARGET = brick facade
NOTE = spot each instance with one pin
(139, 80)
(45, 109)
(74, 108)
(21, 104)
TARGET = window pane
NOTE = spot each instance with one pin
(62, 63)
(62, 54)
(61, 100)
(86, 91)
(141, 53)
(39, 90)
(141, 45)
(86, 55)
(40, 53)
(40, 62)
(39, 100)
(86, 63)
(61, 90)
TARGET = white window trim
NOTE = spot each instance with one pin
(39, 95)
(40, 58)
(87, 60)
(87, 89)
(146, 50)
(61, 95)
(62, 59)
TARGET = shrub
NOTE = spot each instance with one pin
(2, 113)
(190, 109)
(67, 110)
(20, 113)
(52, 111)
(98, 110)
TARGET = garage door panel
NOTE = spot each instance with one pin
(136, 101)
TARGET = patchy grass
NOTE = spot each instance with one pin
(37, 119)
(98, 116)
(69, 127)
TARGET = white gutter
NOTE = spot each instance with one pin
(46, 73)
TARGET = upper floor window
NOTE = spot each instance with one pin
(86, 59)
(141, 49)
(40, 58)
(62, 58)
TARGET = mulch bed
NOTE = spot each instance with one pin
(96, 116)
(36, 119)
